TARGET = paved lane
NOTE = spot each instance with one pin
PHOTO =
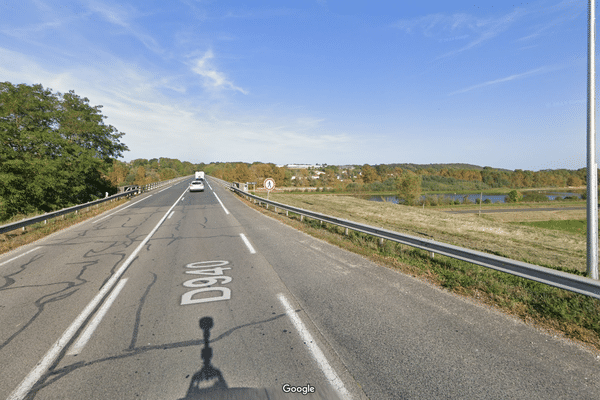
(43, 291)
(149, 342)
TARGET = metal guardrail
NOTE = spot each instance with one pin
(559, 279)
(44, 217)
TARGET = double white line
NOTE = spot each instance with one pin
(57, 348)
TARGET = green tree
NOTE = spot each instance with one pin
(118, 173)
(574, 181)
(369, 174)
(55, 150)
(409, 187)
(242, 173)
(514, 196)
(140, 176)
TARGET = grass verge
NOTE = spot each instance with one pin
(19, 237)
(578, 226)
(561, 312)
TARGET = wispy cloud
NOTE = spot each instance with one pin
(565, 11)
(122, 16)
(159, 125)
(244, 13)
(486, 30)
(212, 77)
(480, 29)
(451, 39)
(308, 122)
(532, 72)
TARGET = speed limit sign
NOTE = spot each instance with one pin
(269, 184)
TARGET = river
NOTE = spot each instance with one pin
(473, 197)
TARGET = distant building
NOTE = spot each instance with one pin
(303, 166)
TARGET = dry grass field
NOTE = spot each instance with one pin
(490, 233)
(554, 310)
(529, 216)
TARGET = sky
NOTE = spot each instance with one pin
(500, 84)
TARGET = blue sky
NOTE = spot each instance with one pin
(337, 82)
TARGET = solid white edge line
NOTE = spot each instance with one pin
(245, 239)
(316, 352)
(226, 212)
(52, 355)
(210, 187)
(89, 330)
(163, 190)
(14, 258)
(121, 209)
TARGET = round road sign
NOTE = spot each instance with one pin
(269, 184)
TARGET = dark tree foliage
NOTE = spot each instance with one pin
(55, 150)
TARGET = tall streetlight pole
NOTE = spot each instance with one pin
(592, 168)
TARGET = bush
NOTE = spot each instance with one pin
(514, 196)
(535, 197)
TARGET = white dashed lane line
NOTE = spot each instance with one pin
(247, 242)
(219, 200)
(14, 258)
(316, 352)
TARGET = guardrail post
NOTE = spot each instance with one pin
(286, 213)
(431, 254)
(346, 231)
(380, 242)
(301, 217)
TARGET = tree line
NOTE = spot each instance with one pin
(142, 171)
(407, 180)
(381, 176)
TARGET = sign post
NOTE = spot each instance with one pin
(592, 166)
(269, 185)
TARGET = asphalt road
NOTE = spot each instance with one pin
(176, 293)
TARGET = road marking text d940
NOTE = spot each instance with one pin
(214, 271)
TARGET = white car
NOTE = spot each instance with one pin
(197, 186)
